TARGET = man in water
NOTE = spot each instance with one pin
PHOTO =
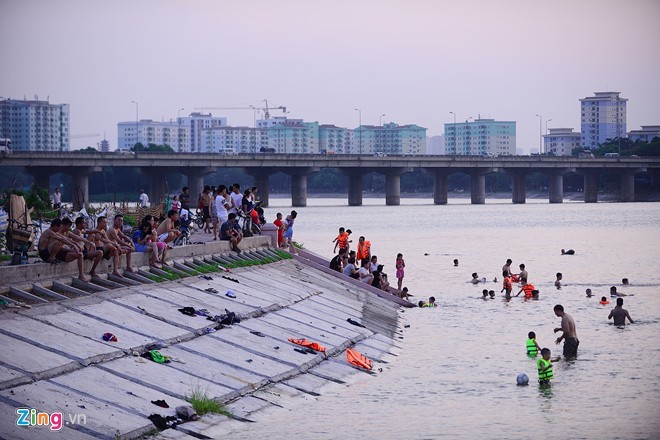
(569, 334)
(507, 267)
(620, 314)
(614, 293)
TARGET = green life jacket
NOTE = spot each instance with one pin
(547, 374)
(531, 347)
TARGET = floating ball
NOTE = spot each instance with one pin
(522, 379)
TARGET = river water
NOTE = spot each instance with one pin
(454, 376)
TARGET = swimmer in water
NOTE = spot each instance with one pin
(455, 262)
(491, 293)
(558, 280)
(625, 281)
(614, 293)
(588, 293)
(485, 293)
(568, 252)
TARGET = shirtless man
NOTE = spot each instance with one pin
(54, 247)
(206, 208)
(523, 272)
(507, 266)
(166, 231)
(569, 334)
(620, 314)
(125, 244)
(103, 243)
(78, 235)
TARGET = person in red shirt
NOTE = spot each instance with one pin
(280, 232)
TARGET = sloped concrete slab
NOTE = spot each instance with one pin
(59, 341)
(247, 405)
(161, 377)
(238, 357)
(337, 369)
(213, 370)
(33, 360)
(216, 303)
(93, 328)
(278, 394)
(134, 321)
(162, 309)
(10, 377)
(102, 420)
(308, 383)
(214, 426)
(326, 322)
(299, 330)
(124, 393)
(194, 296)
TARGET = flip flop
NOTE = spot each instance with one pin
(254, 332)
(211, 289)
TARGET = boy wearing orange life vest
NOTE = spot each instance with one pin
(528, 288)
(341, 240)
(506, 284)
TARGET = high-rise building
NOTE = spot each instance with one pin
(481, 136)
(646, 134)
(603, 117)
(145, 131)
(390, 139)
(561, 141)
(35, 125)
(293, 136)
(195, 123)
(335, 140)
(234, 140)
(436, 145)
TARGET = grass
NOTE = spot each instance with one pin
(206, 268)
(203, 404)
(6, 257)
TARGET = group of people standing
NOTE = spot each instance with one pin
(361, 265)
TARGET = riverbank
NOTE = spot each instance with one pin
(56, 361)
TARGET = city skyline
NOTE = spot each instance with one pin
(414, 62)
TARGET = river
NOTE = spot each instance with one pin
(455, 376)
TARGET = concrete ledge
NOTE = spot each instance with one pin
(34, 272)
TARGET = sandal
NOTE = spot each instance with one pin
(211, 289)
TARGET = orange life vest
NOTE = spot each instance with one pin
(604, 302)
(363, 250)
(342, 240)
(309, 344)
(515, 278)
(357, 359)
(528, 288)
(506, 283)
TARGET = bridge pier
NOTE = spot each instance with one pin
(81, 185)
(519, 191)
(556, 186)
(393, 185)
(261, 176)
(354, 185)
(590, 186)
(299, 186)
(195, 177)
(478, 186)
(440, 186)
(157, 187)
(627, 186)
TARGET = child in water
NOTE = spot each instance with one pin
(491, 293)
(485, 293)
(532, 347)
(604, 301)
(558, 281)
(544, 366)
(588, 293)
(400, 266)
(430, 303)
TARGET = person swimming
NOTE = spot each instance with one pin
(588, 293)
(625, 281)
(568, 252)
(604, 301)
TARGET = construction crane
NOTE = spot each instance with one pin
(266, 109)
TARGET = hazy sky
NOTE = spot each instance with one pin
(413, 60)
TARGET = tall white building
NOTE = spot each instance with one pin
(561, 141)
(146, 131)
(195, 123)
(35, 125)
(335, 140)
(436, 145)
(391, 139)
(234, 140)
(603, 117)
(293, 136)
(481, 136)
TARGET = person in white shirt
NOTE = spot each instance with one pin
(144, 199)
(222, 204)
(236, 199)
(365, 276)
(373, 265)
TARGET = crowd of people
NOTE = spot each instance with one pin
(567, 327)
(362, 265)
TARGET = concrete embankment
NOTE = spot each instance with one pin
(54, 359)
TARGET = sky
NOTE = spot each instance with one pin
(413, 60)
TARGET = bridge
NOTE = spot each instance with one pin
(83, 165)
